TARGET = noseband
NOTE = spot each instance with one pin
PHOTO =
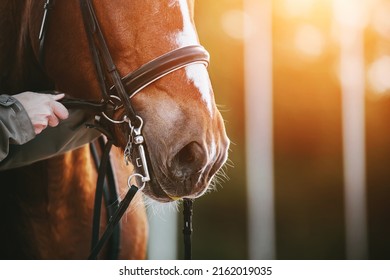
(116, 93)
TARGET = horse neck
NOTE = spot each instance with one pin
(20, 70)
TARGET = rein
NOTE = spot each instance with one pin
(117, 93)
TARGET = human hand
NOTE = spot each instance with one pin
(43, 109)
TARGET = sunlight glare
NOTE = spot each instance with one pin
(309, 40)
(237, 24)
(352, 13)
(296, 8)
(381, 19)
(378, 74)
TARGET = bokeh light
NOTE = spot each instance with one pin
(296, 8)
(379, 75)
(236, 24)
(309, 40)
(381, 19)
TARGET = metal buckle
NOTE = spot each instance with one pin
(136, 138)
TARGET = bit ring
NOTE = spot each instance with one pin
(136, 175)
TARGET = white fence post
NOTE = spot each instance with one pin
(259, 128)
(350, 17)
(163, 237)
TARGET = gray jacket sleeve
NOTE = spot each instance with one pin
(69, 134)
(15, 125)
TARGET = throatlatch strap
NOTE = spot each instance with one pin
(187, 230)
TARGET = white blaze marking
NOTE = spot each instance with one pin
(196, 73)
(213, 149)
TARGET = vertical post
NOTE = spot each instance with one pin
(163, 235)
(259, 128)
(349, 15)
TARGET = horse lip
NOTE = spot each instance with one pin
(153, 188)
(162, 188)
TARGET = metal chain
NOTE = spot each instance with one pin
(129, 146)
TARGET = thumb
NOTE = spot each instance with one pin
(58, 96)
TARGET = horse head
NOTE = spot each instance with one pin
(183, 130)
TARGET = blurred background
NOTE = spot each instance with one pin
(304, 87)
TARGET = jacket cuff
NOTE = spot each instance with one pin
(15, 124)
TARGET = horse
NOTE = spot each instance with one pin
(46, 207)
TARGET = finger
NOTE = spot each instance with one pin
(53, 120)
(38, 128)
(58, 96)
(59, 110)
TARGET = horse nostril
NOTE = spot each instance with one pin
(188, 161)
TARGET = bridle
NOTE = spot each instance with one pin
(116, 93)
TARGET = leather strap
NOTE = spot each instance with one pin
(99, 194)
(124, 204)
(187, 230)
(72, 103)
(161, 66)
(110, 196)
(42, 32)
(103, 59)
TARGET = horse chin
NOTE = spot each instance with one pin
(163, 189)
(156, 192)
(153, 188)
(165, 192)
